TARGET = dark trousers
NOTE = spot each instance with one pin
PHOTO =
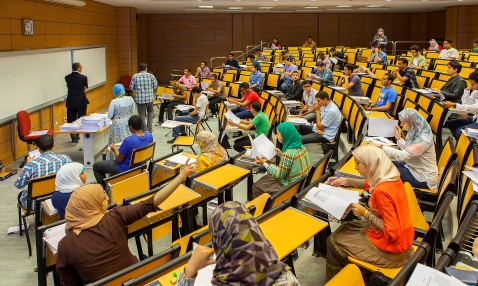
(309, 136)
(241, 142)
(256, 89)
(101, 168)
(212, 103)
(73, 114)
(407, 176)
(169, 105)
(455, 125)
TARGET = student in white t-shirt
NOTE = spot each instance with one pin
(448, 53)
(194, 116)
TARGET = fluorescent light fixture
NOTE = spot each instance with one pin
(276, 0)
(344, 6)
(197, 9)
(236, 8)
(78, 3)
(263, 8)
(340, 10)
(310, 7)
(306, 10)
(206, 7)
(375, 6)
(268, 5)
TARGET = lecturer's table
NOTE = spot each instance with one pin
(93, 143)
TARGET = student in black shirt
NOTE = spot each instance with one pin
(294, 92)
(231, 62)
(338, 56)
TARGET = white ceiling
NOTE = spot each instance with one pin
(285, 6)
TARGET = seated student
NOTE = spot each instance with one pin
(377, 56)
(231, 61)
(256, 78)
(260, 56)
(387, 97)
(309, 43)
(95, 245)
(285, 55)
(219, 90)
(351, 81)
(233, 267)
(294, 91)
(448, 53)
(276, 45)
(179, 97)
(384, 238)
(294, 162)
(252, 59)
(324, 59)
(188, 79)
(416, 158)
(123, 154)
(475, 46)
(328, 122)
(405, 74)
(48, 163)
(469, 102)
(211, 152)
(243, 112)
(193, 116)
(339, 56)
(326, 77)
(454, 87)
(309, 101)
(287, 71)
(203, 71)
(434, 46)
(69, 178)
(417, 61)
(260, 122)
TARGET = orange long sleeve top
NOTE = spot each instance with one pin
(389, 202)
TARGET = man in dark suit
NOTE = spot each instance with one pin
(76, 101)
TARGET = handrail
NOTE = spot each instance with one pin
(216, 59)
(263, 42)
(241, 56)
(394, 49)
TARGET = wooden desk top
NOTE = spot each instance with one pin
(83, 132)
(290, 229)
(221, 177)
(349, 169)
(379, 114)
(161, 163)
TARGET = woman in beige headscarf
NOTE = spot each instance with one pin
(212, 152)
(385, 236)
(95, 244)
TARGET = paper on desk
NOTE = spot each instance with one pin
(227, 66)
(298, 120)
(181, 159)
(230, 115)
(204, 85)
(426, 276)
(184, 107)
(262, 146)
(167, 96)
(54, 235)
(243, 66)
(49, 204)
(208, 92)
(379, 141)
(279, 65)
(334, 60)
(333, 200)
(275, 70)
(34, 154)
(381, 127)
(38, 133)
(337, 87)
(313, 75)
(359, 98)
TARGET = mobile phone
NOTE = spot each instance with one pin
(169, 163)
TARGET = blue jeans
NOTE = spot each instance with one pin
(183, 117)
(243, 113)
(285, 84)
(455, 125)
(407, 176)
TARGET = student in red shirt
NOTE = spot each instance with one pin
(244, 111)
(384, 238)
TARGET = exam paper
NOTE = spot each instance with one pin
(279, 65)
(275, 70)
(426, 276)
(381, 127)
(34, 154)
(204, 85)
(181, 159)
(265, 147)
(333, 200)
(166, 96)
(313, 75)
(298, 120)
(54, 235)
(38, 133)
(334, 60)
(337, 87)
(230, 115)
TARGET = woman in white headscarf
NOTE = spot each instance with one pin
(69, 178)
(434, 46)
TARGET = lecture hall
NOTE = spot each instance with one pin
(234, 142)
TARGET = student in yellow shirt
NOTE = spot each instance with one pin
(211, 152)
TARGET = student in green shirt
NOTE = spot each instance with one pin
(475, 46)
(260, 122)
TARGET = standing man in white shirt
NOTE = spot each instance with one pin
(145, 85)
(448, 53)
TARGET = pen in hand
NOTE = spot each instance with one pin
(341, 176)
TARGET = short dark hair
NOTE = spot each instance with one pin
(309, 37)
(475, 41)
(214, 75)
(295, 72)
(244, 85)
(287, 59)
(75, 66)
(403, 60)
(306, 82)
(256, 105)
(251, 57)
(135, 122)
(379, 46)
(322, 95)
(173, 78)
(321, 54)
(332, 50)
(415, 48)
(320, 64)
(45, 142)
(473, 76)
(455, 65)
(450, 41)
(189, 70)
(390, 76)
(256, 66)
(257, 50)
(350, 67)
(196, 89)
(142, 67)
(283, 52)
(231, 54)
(204, 63)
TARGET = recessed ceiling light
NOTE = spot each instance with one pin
(236, 8)
(266, 7)
(310, 7)
(276, 0)
(375, 6)
(206, 7)
(344, 6)
(388, 0)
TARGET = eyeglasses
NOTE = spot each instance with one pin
(305, 86)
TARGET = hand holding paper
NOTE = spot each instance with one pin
(381, 127)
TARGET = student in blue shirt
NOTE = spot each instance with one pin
(252, 59)
(387, 96)
(231, 61)
(256, 78)
(123, 154)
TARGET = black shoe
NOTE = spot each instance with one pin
(75, 140)
(171, 141)
(159, 123)
(182, 134)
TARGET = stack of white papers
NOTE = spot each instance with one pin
(333, 200)
(53, 236)
(473, 175)
(262, 147)
(279, 65)
(470, 132)
(70, 127)
(424, 275)
(298, 120)
(181, 159)
(48, 207)
(184, 107)
(232, 117)
(95, 122)
(381, 127)
(243, 66)
(337, 87)
(379, 141)
(38, 133)
(166, 96)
